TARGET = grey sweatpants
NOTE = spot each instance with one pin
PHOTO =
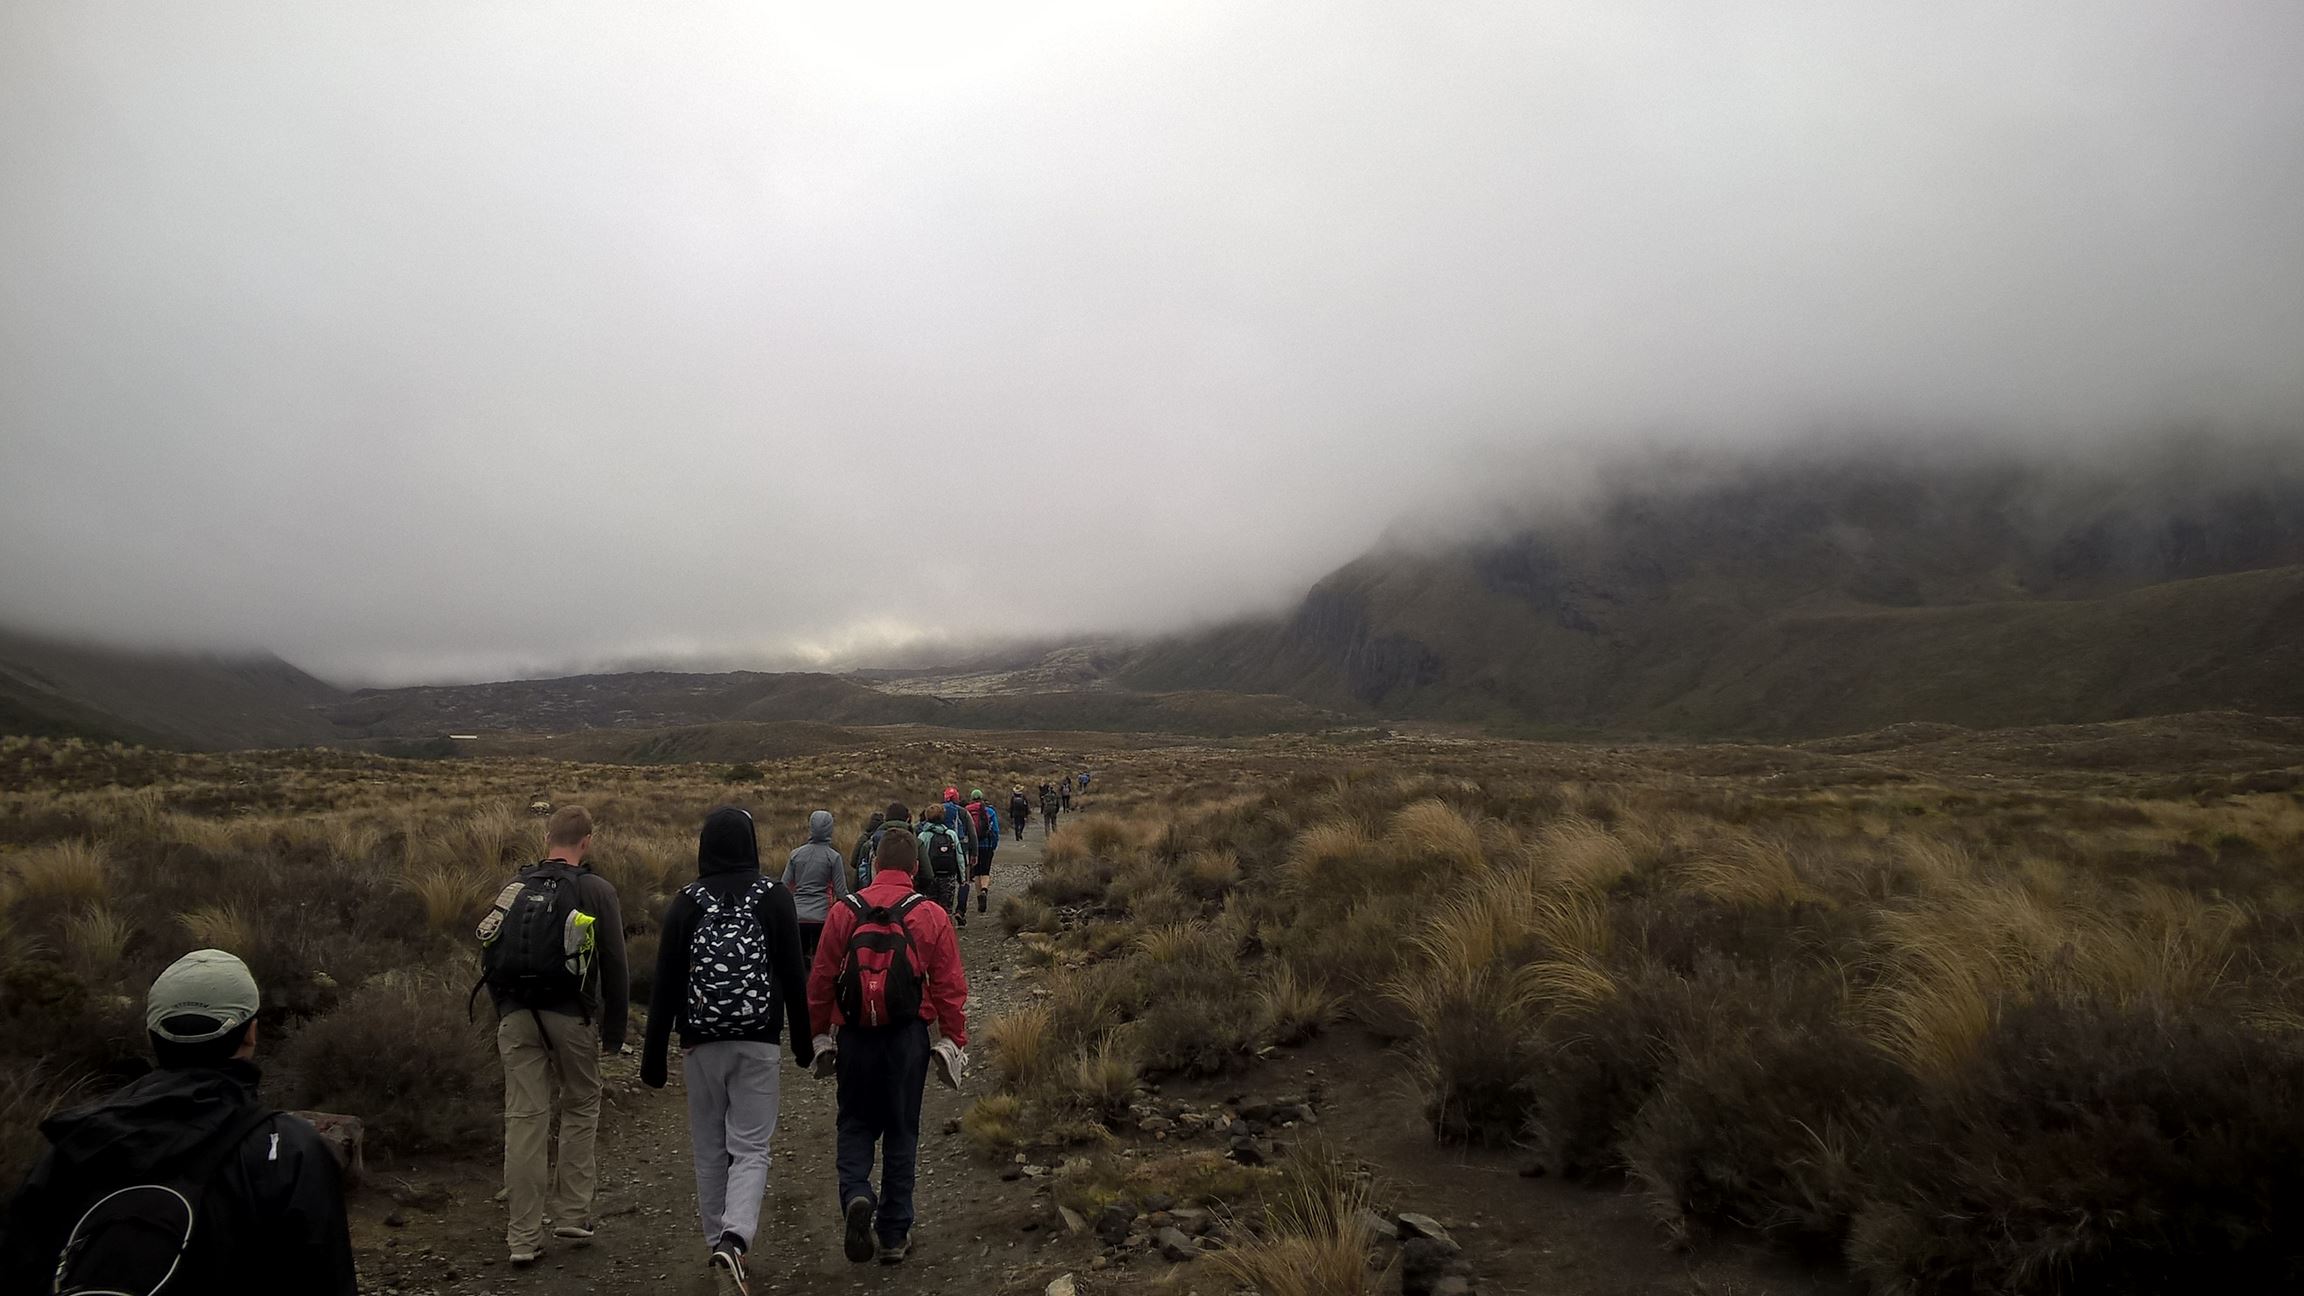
(731, 1118)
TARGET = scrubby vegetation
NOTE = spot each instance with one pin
(351, 884)
(1966, 1025)
(2009, 1012)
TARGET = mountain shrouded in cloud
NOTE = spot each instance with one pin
(440, 341)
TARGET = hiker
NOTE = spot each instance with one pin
(729, 975)
(987, 822)
(860, 860)
(880, 946)
(1064, 793)
(816, 875)
(956, 818)
(1050, 807)
(941, 864)
(896, 816)
(1019, 810)
(184, 1178)
(552, 947)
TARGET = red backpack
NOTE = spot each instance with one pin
(976, 818)
(879, 983)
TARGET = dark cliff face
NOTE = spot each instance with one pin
(1333, 625)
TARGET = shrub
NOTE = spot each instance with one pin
(2094, 1147)
(399, 1054)
(743, 773)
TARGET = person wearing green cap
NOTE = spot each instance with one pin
(183, 1177)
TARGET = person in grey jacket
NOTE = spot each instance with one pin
(816, 875)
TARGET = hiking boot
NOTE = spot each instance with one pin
(727, 1265)
(960, 919)
(576, 1230)
(893, 1253)
(857, 1245)
(524, 1256)
(984, 901)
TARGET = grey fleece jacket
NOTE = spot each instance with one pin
(817, 873)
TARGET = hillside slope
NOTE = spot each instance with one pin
(1802, 599)
(61, 689)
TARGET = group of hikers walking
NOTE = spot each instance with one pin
(185, 1180)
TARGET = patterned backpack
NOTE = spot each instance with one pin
(731, 987)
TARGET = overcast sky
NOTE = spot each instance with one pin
(447, 340)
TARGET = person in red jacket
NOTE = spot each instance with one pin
(883, 1069)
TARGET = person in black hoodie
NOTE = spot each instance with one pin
(730, 977)
(267, 1198)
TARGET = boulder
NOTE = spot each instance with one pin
(1114, 1222)
(1423, 1226)
(1063, 1286)
(344, 1136)
(1191, 1219)
(1074, 1222)
(1174, 1246)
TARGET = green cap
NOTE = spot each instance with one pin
(204, 983)
(975, 794)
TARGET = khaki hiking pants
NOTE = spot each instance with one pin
(543, 1051)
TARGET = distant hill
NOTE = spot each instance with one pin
(59, 689)
(1798, 597)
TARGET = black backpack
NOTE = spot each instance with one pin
(138, 1240)
(731, 988)
(943, 851)
(878, 983)
(536, 942)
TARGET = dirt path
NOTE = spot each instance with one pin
(975, 1233)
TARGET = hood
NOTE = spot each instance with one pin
(728, 843)
(820, 826)
(163, 1116)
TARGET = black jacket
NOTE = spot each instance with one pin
(727, 864)
(608, 983)
(276, 1208)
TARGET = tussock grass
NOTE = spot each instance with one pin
(96, 940)
(1312, 1237)
(994, 1123)
(1296, 1008)
(1103, 1079)
(1020, 1047)
(225, 927)
(66, 872)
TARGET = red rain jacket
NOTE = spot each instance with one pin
(935, 954)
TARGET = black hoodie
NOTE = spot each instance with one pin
(276, 1208)
(727, 864)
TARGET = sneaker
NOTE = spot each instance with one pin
(727, 1267)
(827, 1057)
(984, 901)
(576, 1230)
(960, 919)
(524, 1256)
(894, 1252)
(858, 1243)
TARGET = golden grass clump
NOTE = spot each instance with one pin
(994, 1123)
(1296, 1008)
(1103, 1079)
(1313, 1237)
(225, 927)
(1325, 848)
(71, 872)
(1578, 852)
(96, 941)
(1020, 1047)
(1433, 830)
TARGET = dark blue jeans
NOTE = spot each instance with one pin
(883, 1073)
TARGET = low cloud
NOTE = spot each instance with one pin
(447, 341)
